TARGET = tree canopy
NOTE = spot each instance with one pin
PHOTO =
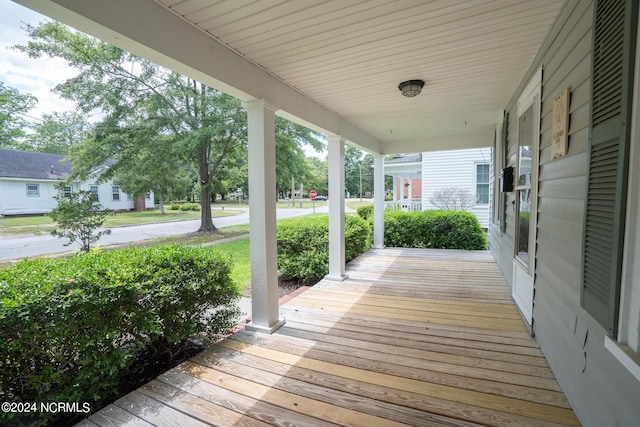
(157, 123)
(13, 106)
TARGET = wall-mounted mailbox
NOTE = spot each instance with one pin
(506, 180)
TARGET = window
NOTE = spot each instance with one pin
(66, 192)
(482, 183)
(115, 193)
(33, 190)
(94, 190)
(147, 195)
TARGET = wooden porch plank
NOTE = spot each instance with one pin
(155, 412)
(418, 358)
(422, 316)
(470, 397)
(430, 406)
(500, 311)
(401, 346)
(290, 401)
(402, 366)
(197, 407)
(266, 413)
(507, 346)
(434, 332)
(231, 362)
(114, 416)
(410, 326)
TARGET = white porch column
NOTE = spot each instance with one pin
(335, 147)
(378, 202)
(262, 217)
(395, 188)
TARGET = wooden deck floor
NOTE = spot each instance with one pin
(413, 337)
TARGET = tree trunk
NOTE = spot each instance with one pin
(206, 223)
(161, 202)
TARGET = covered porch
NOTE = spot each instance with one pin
(412, 337)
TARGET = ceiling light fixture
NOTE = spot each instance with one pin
(411, 88)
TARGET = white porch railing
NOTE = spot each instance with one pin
(407, 205)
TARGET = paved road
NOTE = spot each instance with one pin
(26, 246)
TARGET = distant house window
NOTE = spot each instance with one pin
(147, 195)
(94, 191)
(115, 193)
(33, 190)
(129, 196)
(482, 183)
(68, 189)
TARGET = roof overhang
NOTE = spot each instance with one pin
(334, 66)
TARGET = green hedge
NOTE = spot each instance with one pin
(303, 246)
(71, 328)
(366, 212)
(433, 229)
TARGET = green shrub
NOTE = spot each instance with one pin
(366, 212)
(71, 328)
(190, 207)
(433, 229)
(175, 206)
(303, 246)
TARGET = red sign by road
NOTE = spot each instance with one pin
(313, 194)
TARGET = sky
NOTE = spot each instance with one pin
(35, 76)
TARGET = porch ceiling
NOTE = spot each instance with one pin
(343, 59)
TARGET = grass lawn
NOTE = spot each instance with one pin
(44, 224)
(239, 251)
(355, 203)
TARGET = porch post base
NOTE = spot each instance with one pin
(336, 278)
(265, 329)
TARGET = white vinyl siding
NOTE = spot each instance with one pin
(455, 168)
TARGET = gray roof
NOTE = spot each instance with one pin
(31, 165)
(404, 158)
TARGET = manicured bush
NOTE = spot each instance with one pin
(71, 328)
(366, 212)
(303, 246)
(433, 229)
(190, 207)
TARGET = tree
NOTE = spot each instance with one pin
(57, 132)
(78, 215)
(207, 125)
(453, 199)
(358, 171)
(13, 106)
(318, 172)
(290, 157)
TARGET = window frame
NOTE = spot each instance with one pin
(67, 191)
(487, 183)
(32, 193)
(96, 192)
(115, 193)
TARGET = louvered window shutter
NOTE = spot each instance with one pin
(612, 82)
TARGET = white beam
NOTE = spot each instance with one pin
(262, 217)
(483, 138)
(150, 30)
(378, 202)
(335, 147)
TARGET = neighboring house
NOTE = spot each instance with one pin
(416, 177)
(28, 179)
